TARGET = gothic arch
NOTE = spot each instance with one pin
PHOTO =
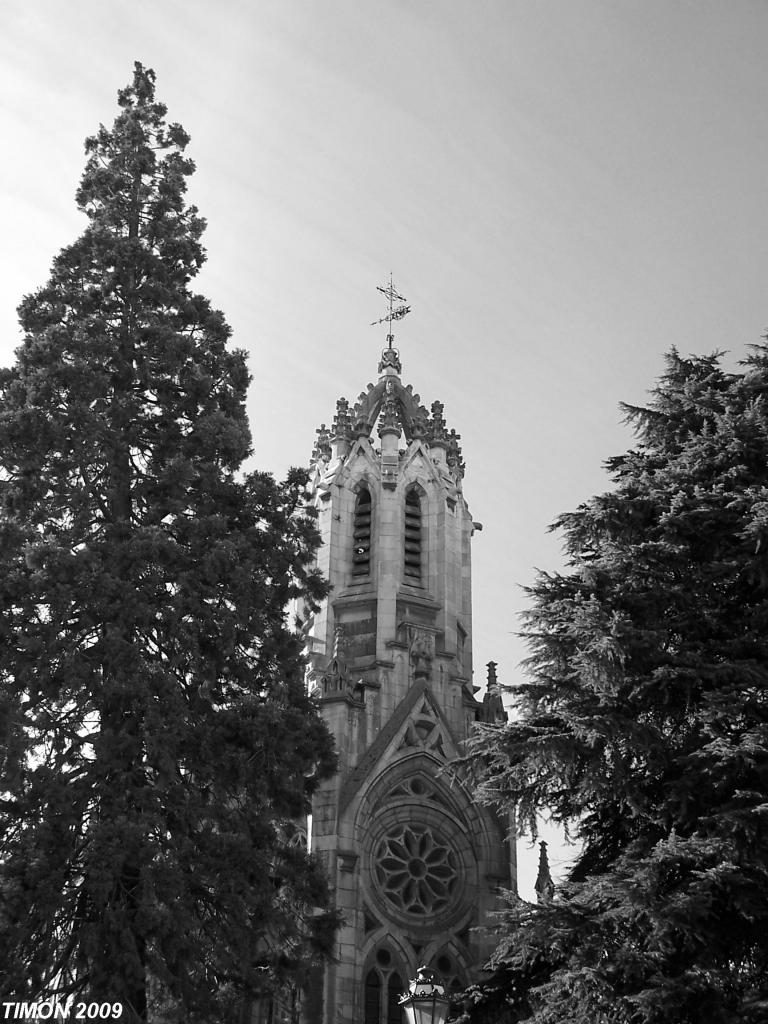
(481, 829)
(363, 482)
(419, 867)
(450, 960)
(420, 765)
(417, 481)
(423, 488)
(384, 939)
(385, 978)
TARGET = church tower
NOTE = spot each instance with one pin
(414, 863)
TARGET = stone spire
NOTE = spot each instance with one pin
(341, 429)
(453, 453)
(420, 426)
(439, 431)
(493, 706)
(335, 678)
(322, 450)
(544, 886)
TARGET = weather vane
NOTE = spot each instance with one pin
(395, 312)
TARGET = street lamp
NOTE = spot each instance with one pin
(426, 1001)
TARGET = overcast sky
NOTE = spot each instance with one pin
(562, 190)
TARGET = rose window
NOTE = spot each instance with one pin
(416, 870)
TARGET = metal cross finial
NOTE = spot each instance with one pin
(395, 312)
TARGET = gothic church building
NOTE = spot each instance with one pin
(414, 863)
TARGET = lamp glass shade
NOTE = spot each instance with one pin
(426, 1001)
(431, 1009)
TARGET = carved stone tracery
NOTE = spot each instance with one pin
(416, 869)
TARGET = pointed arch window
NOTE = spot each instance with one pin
(373, 998)
(361, 535)
(383, 990)
(451, 974)
(412, 553)
(394, 992)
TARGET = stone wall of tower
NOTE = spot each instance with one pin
(414, 863)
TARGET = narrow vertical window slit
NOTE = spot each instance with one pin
(372, 1010)
(394, 992)
(361, 542)
(412, 541)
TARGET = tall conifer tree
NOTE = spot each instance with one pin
(644, 727)
(157, 739)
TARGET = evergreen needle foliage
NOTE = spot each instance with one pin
(644, 727)
(157, 742)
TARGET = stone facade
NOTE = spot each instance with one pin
(415, 864)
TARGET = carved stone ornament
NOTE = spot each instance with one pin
(389, 419)
(336, 679)
(421, 655)
(390, 357)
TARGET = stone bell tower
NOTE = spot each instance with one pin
(414, 863)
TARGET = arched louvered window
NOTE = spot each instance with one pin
(412, 556)
(373, 998)
(361, 543)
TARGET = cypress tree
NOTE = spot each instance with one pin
(643, 726)
(158, 742)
